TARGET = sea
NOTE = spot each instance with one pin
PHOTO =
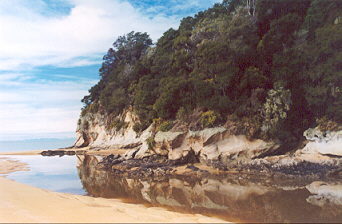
(36, 144)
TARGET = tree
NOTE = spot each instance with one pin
(251, 6)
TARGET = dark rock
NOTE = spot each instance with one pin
(190, 158)
(57, 153)
(336, 173)
(70, 153)
(192, 167)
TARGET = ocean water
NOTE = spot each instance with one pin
(35, 144)
(236, 200)
(53, 173)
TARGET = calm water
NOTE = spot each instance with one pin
(36, 144)
(51, 173)
(230, 199)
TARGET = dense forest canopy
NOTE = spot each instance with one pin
(274, 66)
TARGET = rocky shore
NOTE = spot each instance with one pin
(156, 153)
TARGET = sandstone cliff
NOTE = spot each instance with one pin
(211, 144)
(216, 146)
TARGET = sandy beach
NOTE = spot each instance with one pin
(20, 203)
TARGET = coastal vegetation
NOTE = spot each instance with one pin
(273, 67)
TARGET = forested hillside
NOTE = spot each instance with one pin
(273, 68)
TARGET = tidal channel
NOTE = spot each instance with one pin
(236, 200)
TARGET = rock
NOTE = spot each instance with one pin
(92, 131)
(129, 154)
(70, 153)
(325, 193)
(57, 153)
(144, 150)
(329, 143)
(191, 157)
(211, 144)
(159, 172)
(192, 167)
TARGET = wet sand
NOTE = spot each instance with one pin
(20, 203)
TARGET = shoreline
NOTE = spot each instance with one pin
(103, 152)
(24, 203)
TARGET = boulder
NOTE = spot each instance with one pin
(329, 143)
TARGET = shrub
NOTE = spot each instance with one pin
(158, 121)
(139, 127)
(94, 108)
(210, 119)
(326, 125)
(150, 142)
(165, 126)
(275, 109)
(84, 111)
(117, 124)
(86, 125)
(181, 114)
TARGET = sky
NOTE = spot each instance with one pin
(51, 51)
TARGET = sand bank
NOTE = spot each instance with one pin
(9, 165)
(86, 149)
(22, 203)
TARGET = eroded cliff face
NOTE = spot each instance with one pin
(211, 144)
(93, 131)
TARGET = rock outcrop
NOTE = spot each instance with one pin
(210, 145)
(93, 131)
(215, 147)
(329, 143)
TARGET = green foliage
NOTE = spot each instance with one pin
(277, 104)
(181, 114)
(117, 124)
(84, 111)
(150, 142)
(210, 118)
(94, 108)
(327, 125)
(86, 125)
(251, 127)
(230, 60)
(165, 126)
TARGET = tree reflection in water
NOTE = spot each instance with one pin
(229, 199)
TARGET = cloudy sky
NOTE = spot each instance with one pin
(51, 51)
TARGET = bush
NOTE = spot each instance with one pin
(150, 142)
(181, 114)
(165, 126)
(117, 124)
(210, 119)
(139, 127)
(86, 125)
(94, 108)
(327, 125)
(84, 111)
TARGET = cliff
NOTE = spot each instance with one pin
(210, 144)
(215, 147)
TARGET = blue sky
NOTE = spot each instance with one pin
(51, 51)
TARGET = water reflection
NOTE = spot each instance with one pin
(230, 199)
(51, 173)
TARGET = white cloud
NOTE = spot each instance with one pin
(29, 39)
(77, 33)
(40, 106)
